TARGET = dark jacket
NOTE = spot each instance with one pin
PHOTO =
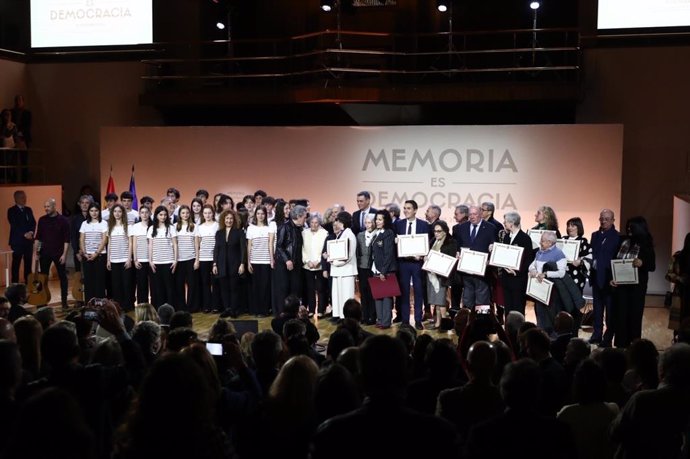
(228, 255)
(382, 250)
(21, 222)
(289, 244)
(604, 248)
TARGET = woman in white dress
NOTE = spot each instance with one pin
(343, 272)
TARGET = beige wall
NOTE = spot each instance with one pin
(12, 82)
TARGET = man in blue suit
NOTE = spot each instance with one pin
(22, 227)
(476, 234)
(411, 267)
(605, 244)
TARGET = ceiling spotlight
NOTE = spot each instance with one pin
(220, 25)
(327, 5)
(534, 5)
(442, 5)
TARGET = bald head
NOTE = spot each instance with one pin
(481, 360)
(475, 215)
(7, 331)
(49, 206)
(606, 219)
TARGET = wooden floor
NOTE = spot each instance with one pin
(654, 323)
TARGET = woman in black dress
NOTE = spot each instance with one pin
(229, 256)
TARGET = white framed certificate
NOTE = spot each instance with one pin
(624, 272)
(570, 248)
(506, 256)
(439, 263)
(540, 291)
(535, 235)
(337, 249)
(472, 262)
(413, 245)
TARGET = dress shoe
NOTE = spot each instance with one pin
(419, 326)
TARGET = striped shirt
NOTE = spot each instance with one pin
(118, 245)
(138, 233)
(93, 235)
(186, 249)
(259, 237)
(163, 252)
(207, 240)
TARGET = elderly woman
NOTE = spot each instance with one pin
(364, 239)
(549, 263)
(287, 275)
(343, 272)
(313, 239)
(514, 282)
(436, 284)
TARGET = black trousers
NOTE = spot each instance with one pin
(164, 285)
(316, 288)
(143, 282)
(93, 273)
(368, 305)
(627, 311)
(209, 287)
(260, 298)
(44, 263)
(122, 285)
(285, 283)
(19, 254)
(230, 293)
(184, 277)
(514, 296)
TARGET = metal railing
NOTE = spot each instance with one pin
(347, 55)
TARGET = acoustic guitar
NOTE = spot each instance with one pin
(37, 286)
(78, 286)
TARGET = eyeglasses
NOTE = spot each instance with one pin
(486, 210)
(439, 231)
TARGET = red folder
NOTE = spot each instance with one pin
(384, 288)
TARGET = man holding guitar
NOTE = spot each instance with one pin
(52, 243)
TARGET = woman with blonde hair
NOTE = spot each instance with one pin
(545, 217)
(146, 311)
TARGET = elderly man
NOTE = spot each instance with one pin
(488, 209)
(549, 263)
(475, 234)
(460, 215)
(52, 243)
(22, 226)
(605, 244)
(515, 282)
(287, 271)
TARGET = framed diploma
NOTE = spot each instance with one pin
(413, 245)
(540, 291)
(535, 235)
(506, 256)
(570, 248)
(624, 272)
(472, 262)
(337, 249)
(439, 263)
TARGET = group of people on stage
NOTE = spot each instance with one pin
(221, 257)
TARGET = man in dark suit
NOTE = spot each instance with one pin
(460, 216)
(22, 227)
(604, 247)
(364, 205)
(515, 282)
(411, 267)
(475, 234)
(394, 211)
(488, 209)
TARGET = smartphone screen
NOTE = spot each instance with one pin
(215, 348)
(91, 315)
(482, 309)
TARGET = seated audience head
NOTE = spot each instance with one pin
(521, 337)
(59, 346)
(292, 393)
(45, 316)
(442, 360)
(7, 331)
(294, 328)
(181, 319)
(408, 336)
(291, 306)
(589, 383)
(349, 358)
(246, 348)
(419, 350)
(203, 358)
(180, 338)
(504, 355)
(564, 323)
(165, 313)
(147, 335)
(577, 350)
(352, 309)
(108, 353)
(674, 367)
(481, 361)
(29, 331)
(10, 368)
(460, 321)
(267, 350)
(219, 329)
(521, 384)
(146, 311)
(5, 306)
(613, 361)
(538, 344)
(339, 340)
(384, 367)
(644, 359)
(16, 294)
(336, 392)
(352, 326)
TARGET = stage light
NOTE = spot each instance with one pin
(220, 26)
(327, 5)
(442, 5)
(535, 5)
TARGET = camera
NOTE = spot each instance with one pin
(92, 310)
(483, 309)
